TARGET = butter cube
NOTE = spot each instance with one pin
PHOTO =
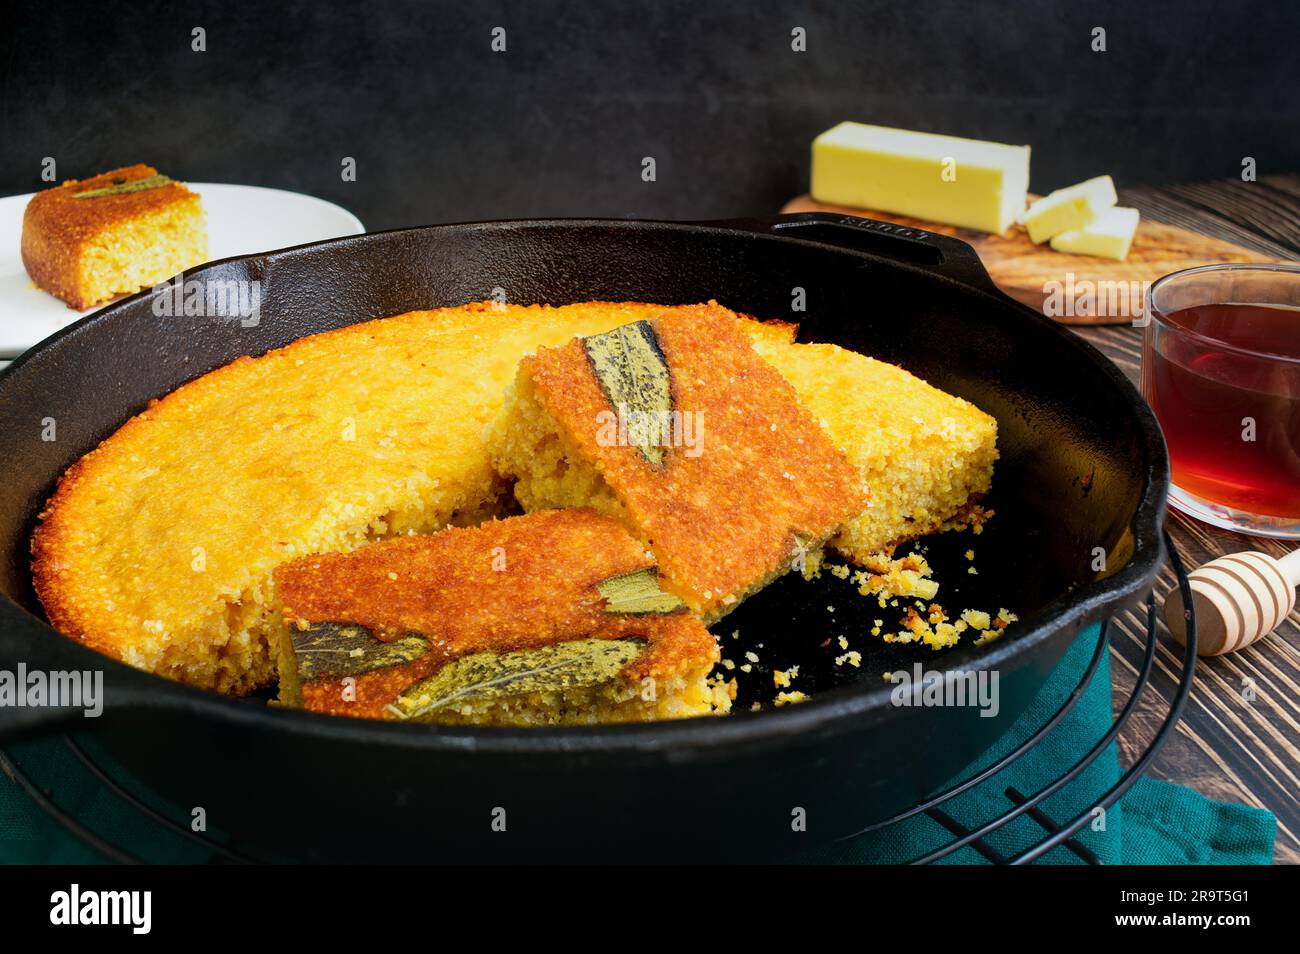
(1108, 236)
(1070, 208)
(964, 182)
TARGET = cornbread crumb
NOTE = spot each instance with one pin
(884, 578)
(932, 628)
(999, 624)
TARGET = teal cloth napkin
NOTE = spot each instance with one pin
(1155, 823)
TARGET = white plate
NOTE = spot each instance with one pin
(241, 220)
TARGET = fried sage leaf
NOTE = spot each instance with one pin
(326, 650)
(123, 186)
(637, 592)
(633, 373)
(577, 664)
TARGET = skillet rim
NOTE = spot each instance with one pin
(836, 710)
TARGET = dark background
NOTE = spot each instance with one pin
(443, 129)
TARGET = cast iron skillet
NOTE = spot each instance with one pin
(1083, 467)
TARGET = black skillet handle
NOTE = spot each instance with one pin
(942, 254)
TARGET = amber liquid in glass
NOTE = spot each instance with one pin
(1206, 396)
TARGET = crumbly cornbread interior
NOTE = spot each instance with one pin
(158, 547)
(527, 442)
(925, 456)
(142, 252)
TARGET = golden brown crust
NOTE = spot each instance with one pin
(57, 227)
(506, 584)
(50, 539)
(519, 583)
(724, 521)
(112, 553)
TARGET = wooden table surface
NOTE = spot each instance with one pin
(1239, 739)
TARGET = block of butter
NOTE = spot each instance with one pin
(1108, 236)
(963, 182)
(1070, 208)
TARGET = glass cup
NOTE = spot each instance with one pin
(1221, 370)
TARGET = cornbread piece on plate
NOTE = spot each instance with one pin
(90, 240)
(925, 456)
(675, 426)
(553, 617)
(158, 546)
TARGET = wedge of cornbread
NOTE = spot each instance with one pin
(925, 456)
(89, 240)
(550, 618)
(158, 547)
(675, 426)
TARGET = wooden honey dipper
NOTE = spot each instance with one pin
(1239, 599)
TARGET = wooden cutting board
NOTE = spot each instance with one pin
(1075, 289)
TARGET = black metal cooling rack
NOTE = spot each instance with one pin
(1056, 833)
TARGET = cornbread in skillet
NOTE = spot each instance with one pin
(677, 427)
(89, 240)
(549, 618)
(926, 457)
(158, 546)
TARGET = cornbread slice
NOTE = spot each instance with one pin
(89, 240)
(675, 426)
(158, 546)
(549, 618)
(925, 456)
